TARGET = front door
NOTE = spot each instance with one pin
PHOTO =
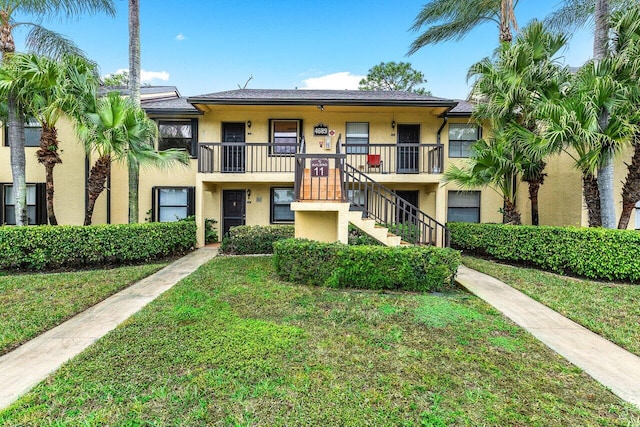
(233, 148)
(408, 148)
(406, 213)
(233, 209)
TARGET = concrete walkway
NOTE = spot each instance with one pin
(26, 366)
(610, 365)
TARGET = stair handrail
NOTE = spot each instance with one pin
(384, 206)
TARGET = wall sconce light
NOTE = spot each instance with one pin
(393, 124)
(248, 193)
(321, 107)
(248, 123)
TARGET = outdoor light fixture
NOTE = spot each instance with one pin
(248, 123)
(248, 193)
(393, 124)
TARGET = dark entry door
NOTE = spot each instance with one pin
(233, 209)
(233, 147)
(405, 212)
(408, 148)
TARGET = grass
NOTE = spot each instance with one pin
(231, 345)
(31, 304)
(608, 309)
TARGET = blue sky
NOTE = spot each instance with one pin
(204, 46)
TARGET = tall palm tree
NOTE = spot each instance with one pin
(39, 40)
(508, 89)
(114, 129)
(134, 89)
(453, 19)
(494, 164)
(47, 89)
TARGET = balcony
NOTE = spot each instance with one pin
(222, 157)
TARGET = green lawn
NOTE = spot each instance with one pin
(34, 303)
(611, 310)
(233, 345)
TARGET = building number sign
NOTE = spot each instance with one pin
(320, 130)
(319, 168)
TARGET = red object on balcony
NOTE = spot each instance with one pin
(374, 161)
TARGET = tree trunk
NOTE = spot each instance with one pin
(601, 33)
(534, 188)
(48, 156)
(18, 162)
(510, 214)
(592, 199)
(605, 187)
(97, 178)
(134, 89)
(507, 17)
(631, 187)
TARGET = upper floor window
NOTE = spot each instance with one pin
(36, 209)
(357, 138)
(32, 132)
(463, 206)
(461, 137)
(285, 136)
(178, 134)
(173, 203)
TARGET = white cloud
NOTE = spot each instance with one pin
(147, 76)
(339, 81)
(180, 37)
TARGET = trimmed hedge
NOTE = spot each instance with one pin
(596, 253)
(47, 247)
(415, 268)
(254, 239)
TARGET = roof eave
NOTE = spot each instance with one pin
(172, 112)
(325, 102)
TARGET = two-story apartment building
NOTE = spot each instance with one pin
(243, 144)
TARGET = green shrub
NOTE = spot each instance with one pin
(210, 229)
(359, 237)
(256, 239)
(47, 247)
(595, 253)
(414, 268)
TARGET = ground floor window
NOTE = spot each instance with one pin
(281, 199)
(638, 215)
(357, 197)
(463, 206)
(173, 203)
(36, 204)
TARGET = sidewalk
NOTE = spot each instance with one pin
(26, 366)
(610, 365)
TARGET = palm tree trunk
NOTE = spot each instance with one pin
(134, 88)
(592, 199)
(97, 178)
(510, 214)
(507, 17)
(631, 187)
(48, 156)
(534, 188)
(18, 161)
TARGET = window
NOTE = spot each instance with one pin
(173, 203)
(638, 215)
(281, 199)
(285, 136)
(36, 209)
(461, 138)
(32, 132)
(357, 139)
(464, 206)
(357, 197)
(178, 134)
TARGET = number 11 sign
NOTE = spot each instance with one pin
(319, 167)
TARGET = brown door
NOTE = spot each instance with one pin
(233, 148)
(408, 148)
(233, 209)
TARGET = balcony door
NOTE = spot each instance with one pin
(233, 147)
(408, 148)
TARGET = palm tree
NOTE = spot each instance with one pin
(114, 129)
(39, 40)
(134, 89)
(47, 89)
(508, 89)
(494, 164)
(452, 20)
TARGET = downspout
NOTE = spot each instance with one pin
(444, 123)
